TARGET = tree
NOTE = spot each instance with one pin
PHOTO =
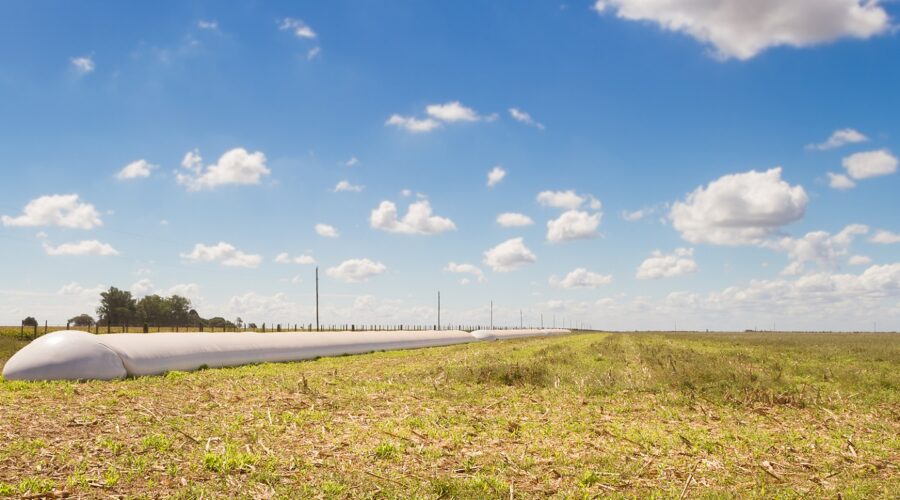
(116, 306)
(154, 310)
(219, 322)
(82, 320)
(179, 310)
(29, 321)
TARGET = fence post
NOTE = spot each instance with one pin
(35, 330)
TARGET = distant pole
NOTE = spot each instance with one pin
(439, 310)
(520, 318)
(542, 321)
(317, 298)
(492, 315)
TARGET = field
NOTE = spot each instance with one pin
(634, 415)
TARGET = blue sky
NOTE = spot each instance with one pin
(653, 132)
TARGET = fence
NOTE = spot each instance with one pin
(34, 331)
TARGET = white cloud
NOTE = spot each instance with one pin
(412, 124)
(285, 258)
(840, 181)
(418, 219)
(739, 209)
(741, 30)
(406, 193)
(660, 265)
(840, 138)
(573, 225)
(859, 260)
(512, 219)
(356, 270)
(636, 215)
(83, 65)
(136, 170)
(819, 247)
(885, 237)
(326, 231)
(313, 53)
(524, 117)
(259, 308)
(453, 267)
(297, 27)
(223, 253)
(581, 278)
(560, 199)
(495, 176)
(346, 186)
(452, 112)
(508, 256)
(85, 247)
(74, 288)
(352, 161)
(870, 164)
(64, 210)
(236, 166)
(142, 288)
(211, 25)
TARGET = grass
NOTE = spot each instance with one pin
(635, 415)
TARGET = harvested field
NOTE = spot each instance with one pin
(756, 415)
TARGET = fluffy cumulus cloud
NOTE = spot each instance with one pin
(660, 265)
(870, 164)
(436, 114)
(495, 176)
(64, 210)
(235, 167)
(739, 209)
(471, 269)
(512, 219)
(840, 138)
(818, 247)
(840, 181)
(523, 117)
(85, 247)
(83, 65)
(573, 225)
(451, 112)
(508, 256)
(145, 286)
(326, 231)
(412, 124)
(859, 260)
(345, 185)
(285, 258)
(567, 200)
(581, 278)
(297, 27)
(419, 219)
(885, 237)
(740, 29)
(223, 253)
(356, 270)
(139, 169)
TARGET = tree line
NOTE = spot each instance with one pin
(119, 307)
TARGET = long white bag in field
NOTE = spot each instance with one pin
(76, 355)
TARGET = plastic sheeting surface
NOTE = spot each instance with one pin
(517, 333)
(157, 353)
(76, 355)
(67, 355)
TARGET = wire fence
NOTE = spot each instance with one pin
(33, 331)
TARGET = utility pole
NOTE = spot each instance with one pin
(439, 310)
(520, 319)
(317, 298)
(492, 315)
(542, 321)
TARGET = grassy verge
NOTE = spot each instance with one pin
(577, 416)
